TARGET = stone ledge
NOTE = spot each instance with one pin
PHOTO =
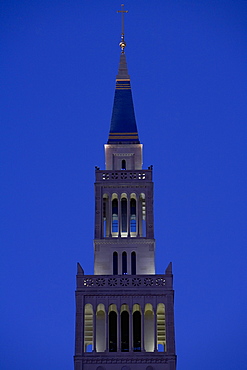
(133, 282)
(128, 358)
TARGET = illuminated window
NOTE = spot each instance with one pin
(132, 215)
(161, 329)
(88, 328)
(115, 215)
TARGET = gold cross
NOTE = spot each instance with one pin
(122, 11)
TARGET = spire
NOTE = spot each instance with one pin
(123, 127)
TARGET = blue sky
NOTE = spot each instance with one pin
(188, 67)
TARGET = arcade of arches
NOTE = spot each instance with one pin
(124, 215)
(127, 329)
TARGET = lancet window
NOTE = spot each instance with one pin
(136, 328)
(124, 263)
(112, 328)
(133, 263)
(124, 328)
(115, 263)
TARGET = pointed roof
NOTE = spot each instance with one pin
(123, 127)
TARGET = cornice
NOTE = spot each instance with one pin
(148, 359)
(124, 241)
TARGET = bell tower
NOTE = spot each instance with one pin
(124, 312)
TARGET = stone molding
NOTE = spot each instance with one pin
(115, 241)
(123, 154)
(132, 282)
(123, 175)
(115, 186)
(121, 360)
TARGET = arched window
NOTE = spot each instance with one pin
(112, 328)
(161, 327)
(88, 328)
(149, 328)
(124, 263)
(137, 331)
(124, 214)
(124, 328)
(100, 328)
(132, 215)
(115, 263)
(123, 164)
(136, 328)
(133, 263)
(114, 215)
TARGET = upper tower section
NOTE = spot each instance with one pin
(124, 226)
(123, 149)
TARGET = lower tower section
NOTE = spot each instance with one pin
(125, 322)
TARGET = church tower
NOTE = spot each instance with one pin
(124, 312)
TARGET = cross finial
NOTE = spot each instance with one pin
(122, 43)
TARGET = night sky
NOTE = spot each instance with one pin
(188, 66)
